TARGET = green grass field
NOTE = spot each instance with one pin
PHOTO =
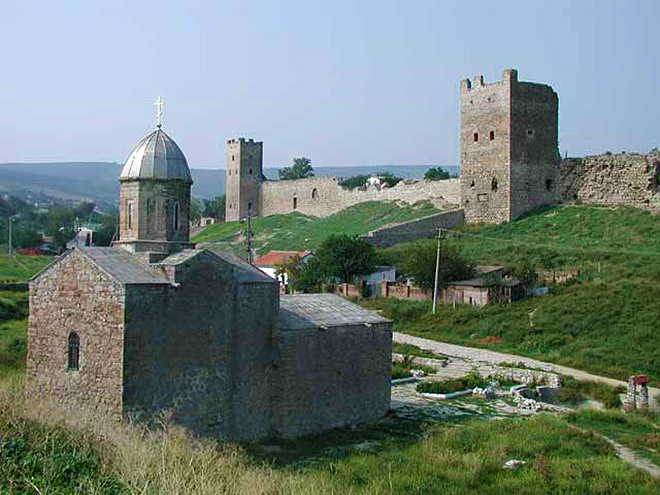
(295, 231)
(20, 268)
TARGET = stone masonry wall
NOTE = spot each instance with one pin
(323, 196)
(415, 229)
(630, 179)
(202, 350)
(58, 306)
(331, 378)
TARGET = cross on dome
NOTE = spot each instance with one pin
(160, 104)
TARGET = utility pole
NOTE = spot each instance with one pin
(437, 270)
(10, 222)
(248, 235)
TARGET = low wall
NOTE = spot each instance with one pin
(323, 196)
(421, 228)
(331, 377)
(391, 289)
(622, 179)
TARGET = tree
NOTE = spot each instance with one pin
(214, 208)
(195, 210)
(389, 178)
(301, 169)
(436, 173)
(341, 257)
(525, 271)
(354, 182)
(291, 268)
(419, 261)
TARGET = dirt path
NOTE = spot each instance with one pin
(478, 356)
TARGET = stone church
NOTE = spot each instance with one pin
(153, 324)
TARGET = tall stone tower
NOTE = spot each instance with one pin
(154, 197)
(510, 160)
(244, 165)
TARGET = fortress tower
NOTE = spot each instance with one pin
(244, 165)
(510, 161)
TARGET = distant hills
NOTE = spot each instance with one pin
(97, 181)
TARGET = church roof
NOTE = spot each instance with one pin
(157, 156)
(303, 311)
(124, 266)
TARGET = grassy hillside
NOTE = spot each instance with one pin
(605, 322)
(20, 267)
(296, 231)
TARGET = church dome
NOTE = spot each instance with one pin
(157, 156)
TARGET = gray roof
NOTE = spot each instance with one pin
(157, 156)
(322, 310)
(125, 267)
(243, 271)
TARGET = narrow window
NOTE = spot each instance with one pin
(295, 203)
(530, 133)
(314, 193)
(130, 215)
(249, 205)
(491, 135)
(177, 212)
(73, 360)
(250, 171)
(493, 185)
(472, 184)
(476, 137)
(232, 158)
(548, 184)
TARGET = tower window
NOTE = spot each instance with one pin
(295, 203)
(476, 137)
(177, 213)
(249, 205)
(250, 171)
(472, 184)
(548, 184)
(130, 215)
(73, 356)
(315, 193)
(530, 133)
(491, 135)
(493, 185)
(232, 158)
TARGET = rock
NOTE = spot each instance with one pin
(513, 464)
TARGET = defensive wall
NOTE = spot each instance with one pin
(415, 229)
(620, 179)
(323, 196)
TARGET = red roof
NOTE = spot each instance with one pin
(273, 258)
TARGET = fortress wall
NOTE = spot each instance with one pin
(323, 196)
(623, 179)
(415, 229)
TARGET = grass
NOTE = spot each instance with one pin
(574, 391)
(296, 231)
(404, 369)
(451, 385)
(20, 268)
(413, 350)
(40, 454)
(641, 433)
(13, 332)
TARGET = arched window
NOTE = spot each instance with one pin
(130, 215)
(73, 358)
(315, 193)
(177, 213)
(493, 185)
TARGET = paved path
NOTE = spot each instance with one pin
(484, 356)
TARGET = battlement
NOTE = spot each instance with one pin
(250, 141)
(509, 77)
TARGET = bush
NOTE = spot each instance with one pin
(573, 391)
(468, 382)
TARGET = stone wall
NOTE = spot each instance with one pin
(415, 229)
(202, 350)
(331, 377)
(59, 306)
(622, 179)
(323, 196)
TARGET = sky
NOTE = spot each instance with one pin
(343, 82)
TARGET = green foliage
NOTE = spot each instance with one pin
(436, 173)
(574, 391)
(418, 261)
(196, 208)
(389, 178)
(467, 382)
(301, 169)
(20, 267)
(340, 256)
(214, 208)
(107, 230)
(413, 350)
(525, 271)
(403, 369)
(354, 182)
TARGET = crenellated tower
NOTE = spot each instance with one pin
(244, 168)
(510, 160)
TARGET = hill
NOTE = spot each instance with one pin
(605, 321)
(97, 181)
(295, 231)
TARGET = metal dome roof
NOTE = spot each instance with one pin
(157, 156)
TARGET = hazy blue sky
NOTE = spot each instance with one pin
(359, 82)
